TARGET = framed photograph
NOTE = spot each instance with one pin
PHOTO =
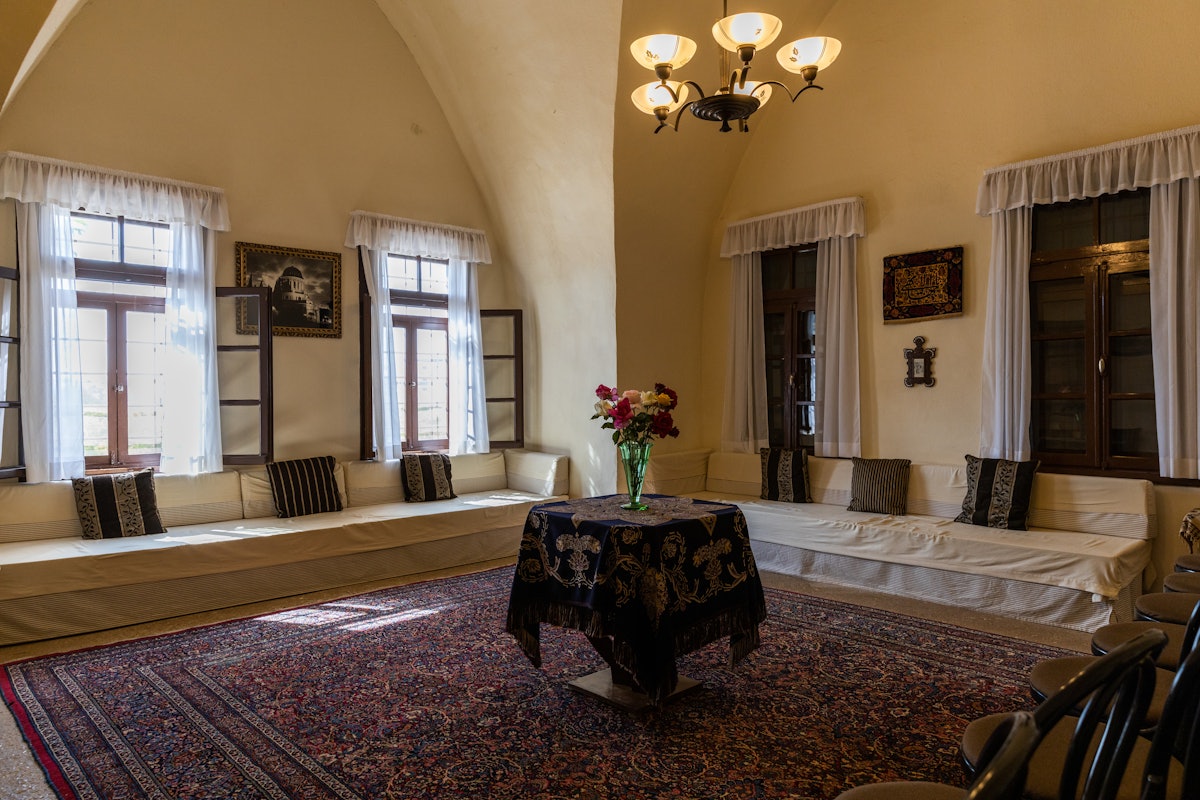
(923, 285)
(306, 289)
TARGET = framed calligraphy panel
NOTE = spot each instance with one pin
(923, 285)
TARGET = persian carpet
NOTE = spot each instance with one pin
(417, 692)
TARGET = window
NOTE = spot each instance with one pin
(120, 268)
(420, 304)
(1092, 369)
(789, 289)
(12, 459)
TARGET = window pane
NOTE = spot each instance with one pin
(95, 238)
(1129, 301)
(1125, 217)
(807, 344)
(1058, 366)
(1059, 426)
(400, 351)
(773, 327)
(8, 372)
(1057, 306)
(806, 269)
(9, 324)
(807, 420)
(775, 381)
(502, 421)
(403, 273)
(433, 399)
(1063, 225)
(145, 338)
(806, 379)
(147, 244)
(425, 312)
(776, 270)
(1133, 432)
(93, 356)
(433, 277)
(121, 287)
(9, 436)
(1132, 364)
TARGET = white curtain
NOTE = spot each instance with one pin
(833, 226)
(837, 397)
(1168, 162)
(1004, 432)
(1175, 324)
(744, 424)
(192, 410)
(387, 432)
(51, 384)
(468, 406)
(377, 235)
(194, 212)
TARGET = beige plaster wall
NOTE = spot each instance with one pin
(302, 110)
(528, 86)
(924, 98)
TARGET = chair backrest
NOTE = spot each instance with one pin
(1177, 736)
(1011, 746)
(1115, 691)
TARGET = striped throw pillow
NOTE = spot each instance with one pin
(879, 485)
(304, 486)
(997, 492)
(113, 506)
(426, 476)
(785, 475)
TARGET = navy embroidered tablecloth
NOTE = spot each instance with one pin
(653, 584)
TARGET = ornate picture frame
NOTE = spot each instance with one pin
(923, 285)
(306, 289)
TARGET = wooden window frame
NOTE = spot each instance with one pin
(14, 470)
(265, 402)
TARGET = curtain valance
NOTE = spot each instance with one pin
(829, 220)
(413, 238)
(1152, 160)
(35, 179)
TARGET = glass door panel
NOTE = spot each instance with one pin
(93, 358)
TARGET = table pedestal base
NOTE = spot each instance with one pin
(624, 696)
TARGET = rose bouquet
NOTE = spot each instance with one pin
(634, 416)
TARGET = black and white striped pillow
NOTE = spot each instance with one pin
(113, 506)
(879, 485)
(785, 475)
(426, 476)
(997, 492)
(304, 486)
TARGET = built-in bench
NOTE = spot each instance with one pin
(225, 546)
(1080, 565)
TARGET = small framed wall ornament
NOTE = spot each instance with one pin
(923, 285)
(920, 363)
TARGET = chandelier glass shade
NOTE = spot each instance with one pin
(740, 34)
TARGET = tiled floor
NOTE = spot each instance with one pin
(21, 778)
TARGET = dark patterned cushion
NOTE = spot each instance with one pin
(112, 506)
(997, 492)
(879, 485)
(426, 476)
(304, 486)
(785, 475)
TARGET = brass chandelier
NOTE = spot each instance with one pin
(740, 34)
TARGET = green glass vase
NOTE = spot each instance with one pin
(634, 458)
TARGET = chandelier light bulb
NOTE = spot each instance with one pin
(656, 100)
(663, 48)
(745, 33)
(813, 53)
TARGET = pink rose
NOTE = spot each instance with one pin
(621, 413)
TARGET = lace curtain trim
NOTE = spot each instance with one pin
(1152, 160)
(829, 220)
(414, 238)
(96, 190)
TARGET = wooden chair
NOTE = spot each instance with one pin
(1002, 779)
(1171, 768)
(1122, 679)
(1107, 637)
(1081, 757)
(1047, 676)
